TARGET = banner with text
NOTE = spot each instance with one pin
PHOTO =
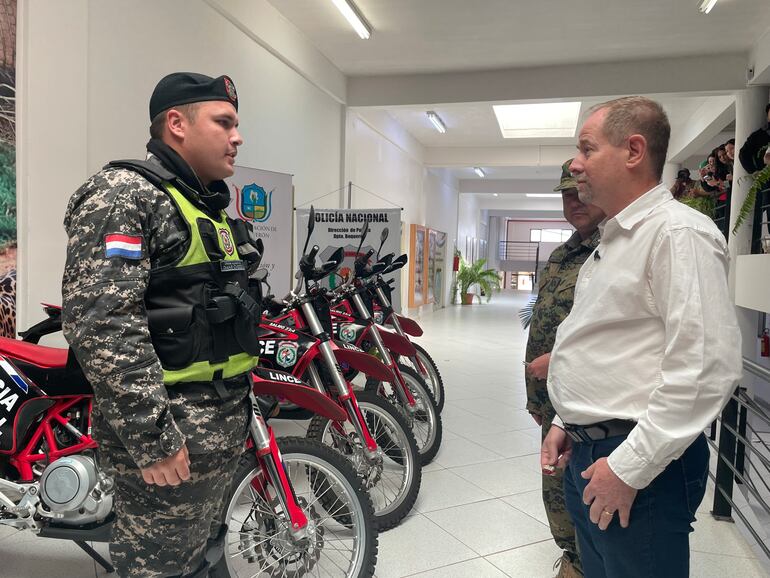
(336, 228)
(266, 199)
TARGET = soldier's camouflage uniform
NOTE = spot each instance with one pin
(554, 301)
(137, 420)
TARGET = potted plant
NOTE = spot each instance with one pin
(475, 274)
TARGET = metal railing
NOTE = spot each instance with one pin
(519, 251)
(722, 215)
(741, 461)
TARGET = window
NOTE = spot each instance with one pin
(550, 235)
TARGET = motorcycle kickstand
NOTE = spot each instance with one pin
(96, 556)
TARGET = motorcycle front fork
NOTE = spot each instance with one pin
(400, 330)
(349, 402)
(404, 394)
(269, 458)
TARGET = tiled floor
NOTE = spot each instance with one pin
(479, 512)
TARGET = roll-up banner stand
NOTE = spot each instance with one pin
(336, 228)
(266, 199)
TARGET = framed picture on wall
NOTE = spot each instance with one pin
(430, 293)
(417, 266)
(439, 258)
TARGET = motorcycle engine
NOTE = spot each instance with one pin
(76, 491)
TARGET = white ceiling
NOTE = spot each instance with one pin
(418, 36)
(474, 124)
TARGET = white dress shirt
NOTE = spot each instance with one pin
(652, 336)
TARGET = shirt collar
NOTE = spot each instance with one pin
(634, 213)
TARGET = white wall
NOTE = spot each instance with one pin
(86, 71)
(385, 164)
(520, 231)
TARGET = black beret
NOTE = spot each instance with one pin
(187, 87)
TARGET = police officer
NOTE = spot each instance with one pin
(157, 311)
(554, 301)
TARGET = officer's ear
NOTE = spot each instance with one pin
(176, 123)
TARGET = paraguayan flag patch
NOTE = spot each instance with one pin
(126, 246)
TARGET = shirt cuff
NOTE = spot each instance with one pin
(557, 422)
(632, 468)
(155, 448)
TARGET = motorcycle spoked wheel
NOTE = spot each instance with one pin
(258, 542)
(434, 382)
(425, 423)
(393, 478)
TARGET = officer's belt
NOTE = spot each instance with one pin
(599, 431)
(224, 388)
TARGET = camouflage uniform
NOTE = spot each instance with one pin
(137, 420)
(554, 302)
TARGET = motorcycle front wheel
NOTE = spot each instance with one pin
(342, 537)
(433, 378)
(393, 476)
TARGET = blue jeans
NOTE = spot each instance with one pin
(656, 542)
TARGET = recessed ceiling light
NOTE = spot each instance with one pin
(707, 5)
(479, 171)
(437, 122)
(353, 15)
(546, 119)
(544, 194)
(495, 195)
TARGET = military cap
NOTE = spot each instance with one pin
(567, 180)
(188, 87)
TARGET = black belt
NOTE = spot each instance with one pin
(599, 431)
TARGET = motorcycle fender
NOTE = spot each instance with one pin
(410, 326)
(397, 344)
(280, 384)
(359, 360)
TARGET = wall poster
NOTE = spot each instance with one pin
(439, 275)
(417, 267)
(336, 228)
(8, 167)
(266, 199)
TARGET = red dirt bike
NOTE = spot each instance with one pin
(353, 320)
(380, 292)
(295, 507)
(375, 436)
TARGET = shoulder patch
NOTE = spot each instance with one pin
(126, 246)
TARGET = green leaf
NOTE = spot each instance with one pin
(761, 181)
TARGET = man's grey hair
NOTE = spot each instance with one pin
(189, 111)
(637, 115)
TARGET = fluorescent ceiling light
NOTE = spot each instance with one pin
(437, 122)
(541, 120)
(353, 15)
(494, 194)
(544, 194)
(479, 171)
(707, 5)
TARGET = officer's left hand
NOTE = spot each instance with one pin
(538, 368)
(607, 495)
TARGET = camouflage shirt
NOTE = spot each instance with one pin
(105, 322)
(556, 292)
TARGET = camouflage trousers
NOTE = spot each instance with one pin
(562, 528)
(161, 532)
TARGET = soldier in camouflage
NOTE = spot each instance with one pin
(170, 438)
(554, 302)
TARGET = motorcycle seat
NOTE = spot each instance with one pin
(50, 368)
(40, 355)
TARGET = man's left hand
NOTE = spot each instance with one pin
(538, 367)
(607, 495)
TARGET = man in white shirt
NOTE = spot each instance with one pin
(646, 359)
